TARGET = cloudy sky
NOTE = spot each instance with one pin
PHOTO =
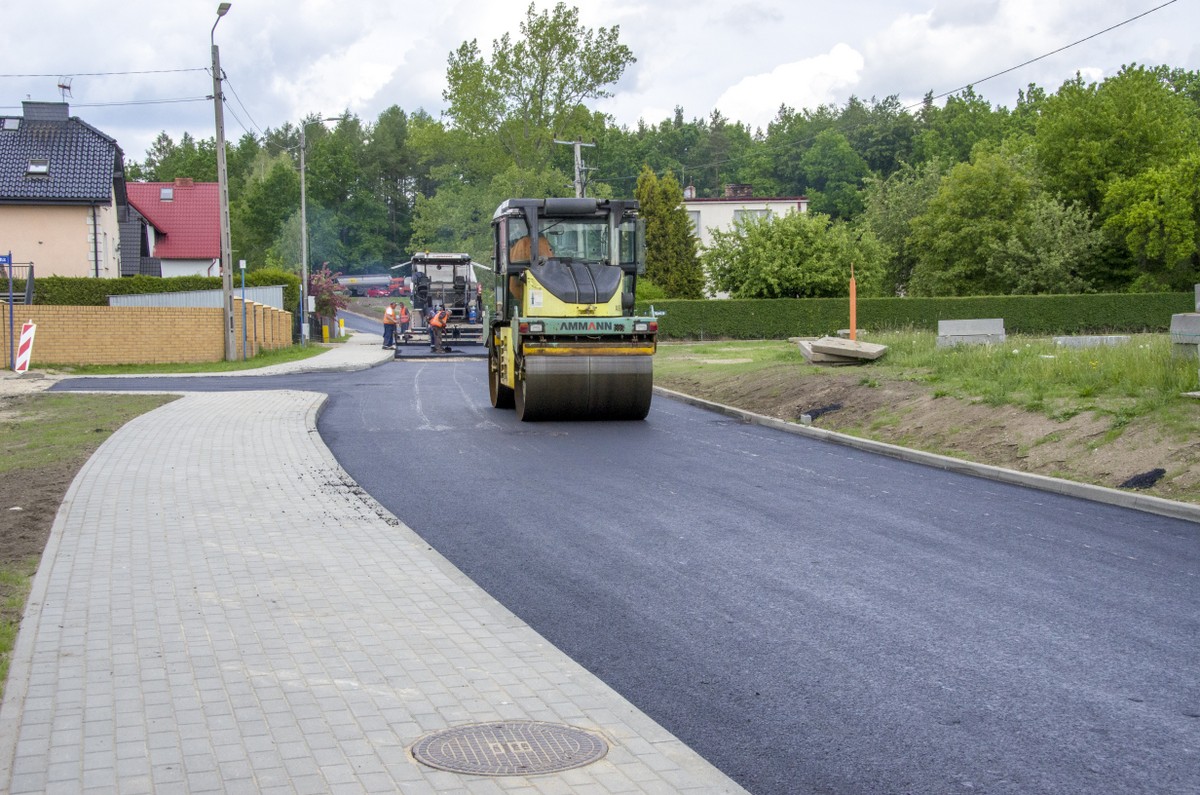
(139, 67)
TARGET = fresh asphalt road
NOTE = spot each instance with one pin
(810, 618)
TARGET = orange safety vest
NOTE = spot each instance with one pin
(403, 313)
(439, 319)
(389, 317)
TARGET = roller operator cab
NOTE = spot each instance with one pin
(563, 341)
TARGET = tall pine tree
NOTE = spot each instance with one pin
(671, 261)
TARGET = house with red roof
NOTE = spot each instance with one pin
(175, 228)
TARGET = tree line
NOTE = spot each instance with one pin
(1093, 187)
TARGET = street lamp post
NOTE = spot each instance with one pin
(223, 188)
(304, 330)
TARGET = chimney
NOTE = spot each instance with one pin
(183, 182)
(735, 190)
(689, 192)
(45, 111)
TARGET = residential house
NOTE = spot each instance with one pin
(62, 193)
(173, 228)
(738, 201)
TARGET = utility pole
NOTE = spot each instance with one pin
(578, 165)
(223, 188)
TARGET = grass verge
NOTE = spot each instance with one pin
(44, 440)
(1121, 382)
(294, 353)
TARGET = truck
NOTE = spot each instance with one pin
(563, 339)
(358, 285)
(449, 280)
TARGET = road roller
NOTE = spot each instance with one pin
(564, 342)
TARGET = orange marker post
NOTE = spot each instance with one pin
(853, 305)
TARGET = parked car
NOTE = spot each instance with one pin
(378, 292)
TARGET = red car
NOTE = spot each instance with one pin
(378, 292)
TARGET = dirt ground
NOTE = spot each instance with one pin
(907, 414)
(29, 502)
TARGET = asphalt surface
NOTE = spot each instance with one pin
(811, 618)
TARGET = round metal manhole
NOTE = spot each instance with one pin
(511, 748)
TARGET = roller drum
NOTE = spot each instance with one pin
(585, 388)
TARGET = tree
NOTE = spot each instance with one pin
(1156, 217)
(991, 231)
(531, 91)
(166, 160)
(266, 203)
(326, 294)
(1091, 135)
(951, 132)
(798, 255)
(834, 173)
(890, 206)
(671, 261)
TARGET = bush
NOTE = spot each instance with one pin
(813, 317)
(87, 291)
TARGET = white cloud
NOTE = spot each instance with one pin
(823, 79)
(286, 60)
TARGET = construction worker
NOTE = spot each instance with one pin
(402, 321)
(389, 326)
(437, 325)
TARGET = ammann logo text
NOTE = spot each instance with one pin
(586, 325)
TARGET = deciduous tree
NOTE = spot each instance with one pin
(798, 255)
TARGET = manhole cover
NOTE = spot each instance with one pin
(512, 748)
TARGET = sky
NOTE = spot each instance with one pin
(141, 67)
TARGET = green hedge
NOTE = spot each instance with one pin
(86, 291)
(1023, 314)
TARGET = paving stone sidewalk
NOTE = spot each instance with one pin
(220, 609)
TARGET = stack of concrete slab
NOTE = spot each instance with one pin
(1185, 334)
(982, 331)
(835, 351)
(1091, 340)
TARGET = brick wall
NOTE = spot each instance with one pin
(142, 335)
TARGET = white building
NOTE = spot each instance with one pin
(738, 201)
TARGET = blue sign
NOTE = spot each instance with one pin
(6, 259)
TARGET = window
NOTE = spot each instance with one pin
(38, 167)
(166, 194)
(694, 217)
(740, 214)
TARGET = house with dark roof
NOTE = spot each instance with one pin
(62, 193)
(173, 228)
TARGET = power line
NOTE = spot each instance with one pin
(1054, 52)
(786, 144)
(111, 74)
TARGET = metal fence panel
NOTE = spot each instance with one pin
(268, 296)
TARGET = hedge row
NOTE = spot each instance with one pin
(1022, 314)
(86, 291)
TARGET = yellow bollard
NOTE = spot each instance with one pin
(325, 332)
(341, 327)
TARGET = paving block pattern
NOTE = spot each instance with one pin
(220, 610)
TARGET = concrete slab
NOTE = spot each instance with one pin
(1091, 341)
(977, 331)
(853, 349)
(813, 357)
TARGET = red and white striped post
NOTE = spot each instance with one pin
(25, 347)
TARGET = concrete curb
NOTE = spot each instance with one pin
(1085, 491)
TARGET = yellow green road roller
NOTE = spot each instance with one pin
(563, 341)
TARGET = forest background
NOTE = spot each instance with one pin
(1090, 187)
